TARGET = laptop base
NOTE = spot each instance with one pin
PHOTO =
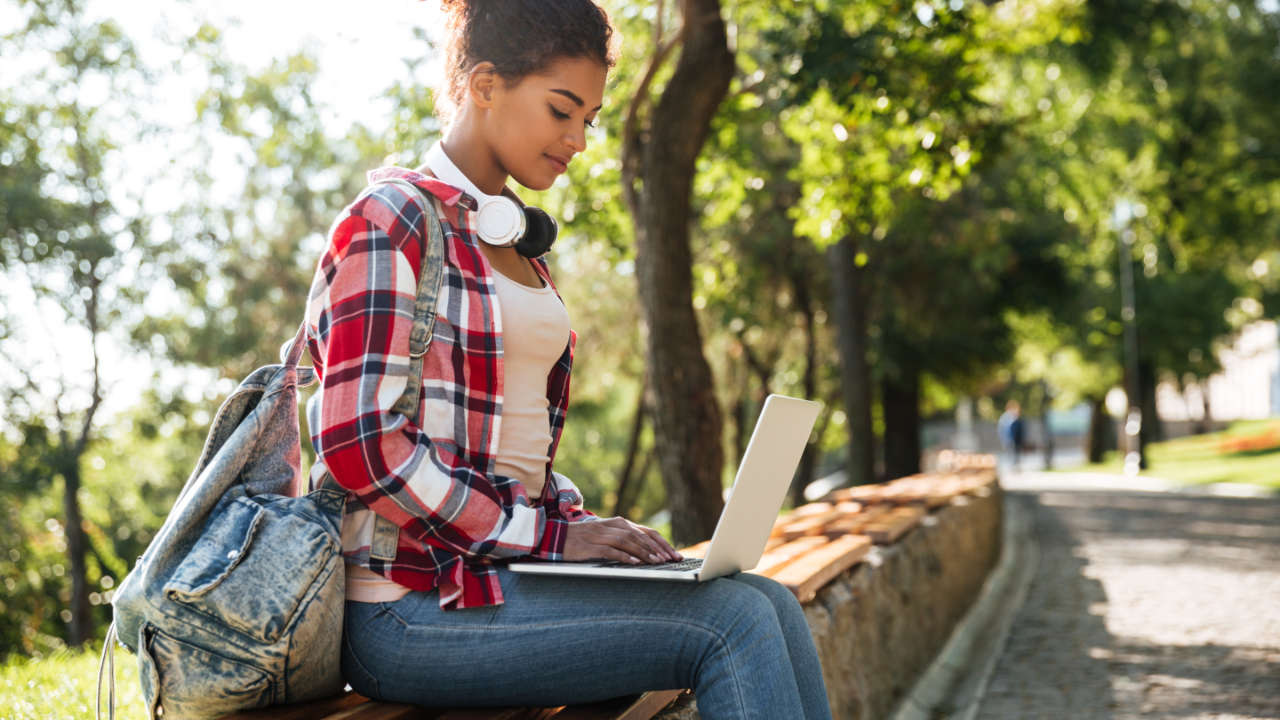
(602, 569)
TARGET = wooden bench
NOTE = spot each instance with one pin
(354, 706)
(808, 548)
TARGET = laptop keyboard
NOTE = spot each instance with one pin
(686, 564)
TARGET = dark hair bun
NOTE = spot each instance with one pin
(520, 37)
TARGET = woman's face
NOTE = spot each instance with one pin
(539, 123)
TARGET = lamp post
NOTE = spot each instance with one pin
(1134, 457)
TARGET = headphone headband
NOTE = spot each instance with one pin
(500, 220)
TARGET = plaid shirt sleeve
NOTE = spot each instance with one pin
(362, 328)
(569, 500)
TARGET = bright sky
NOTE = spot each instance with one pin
(359, 48)
(350, 39)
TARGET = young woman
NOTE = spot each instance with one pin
(438, 620)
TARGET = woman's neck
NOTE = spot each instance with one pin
(467, 150)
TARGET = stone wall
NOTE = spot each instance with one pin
(879, 624)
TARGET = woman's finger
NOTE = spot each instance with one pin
(654, 540)
(665, 546)
(660, 547)
(652, 550)
(627, 539)
(632, 538)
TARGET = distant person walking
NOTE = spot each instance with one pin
(1012, 431)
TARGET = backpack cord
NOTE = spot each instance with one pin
(109, 658)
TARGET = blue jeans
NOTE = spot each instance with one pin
(741, 642)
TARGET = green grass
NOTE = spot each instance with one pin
(60, 687)
(1200, 459)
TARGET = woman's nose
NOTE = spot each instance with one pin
(577, 139)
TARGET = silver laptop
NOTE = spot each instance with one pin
(758, 490)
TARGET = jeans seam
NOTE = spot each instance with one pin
(372, 678)
(386, 608)
(733, 667)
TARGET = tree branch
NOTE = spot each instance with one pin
(95, 397)
(621, 503)
(630, 131)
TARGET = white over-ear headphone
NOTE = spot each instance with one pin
(500, 220)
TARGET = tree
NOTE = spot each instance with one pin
(68, 236)
(1192, 202)
(887, 110)
(660, 150)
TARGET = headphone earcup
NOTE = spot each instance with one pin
(540, 232)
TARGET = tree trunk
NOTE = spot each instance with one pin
(900, 397)
(686, 418)
(1152, 429)
(804, 305)
(1133, 392)
(740, 420)
(1046, 402)
(81, 625)
(850, 309)
(1204, 403)
(626, 478)
(1102, 432)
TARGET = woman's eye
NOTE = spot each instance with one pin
(589, 123)
(557, 114)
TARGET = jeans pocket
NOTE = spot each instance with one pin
(256, 559)
(193, 682)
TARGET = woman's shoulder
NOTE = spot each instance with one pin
(395, 187)
(394, 201)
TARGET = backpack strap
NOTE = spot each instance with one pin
(386, 534)
(424, 307)
(291, 353)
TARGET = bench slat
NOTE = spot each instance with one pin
(779, 557)
(638, 707)
(386, 711)
(533, 713)
(809, 524)
(816, 568)
(894, 524)
(354, 706)
(325, 708)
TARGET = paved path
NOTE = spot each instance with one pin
(1144, 605)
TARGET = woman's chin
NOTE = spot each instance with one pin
(537, 183)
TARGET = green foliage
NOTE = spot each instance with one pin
(67, 239)
(61, 686)
(241, 267)
(132, 477)
(1210, 458)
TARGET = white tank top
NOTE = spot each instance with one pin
(535, 330)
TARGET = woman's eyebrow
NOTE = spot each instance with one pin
(572, 96)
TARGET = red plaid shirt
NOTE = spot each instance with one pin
(434, 480)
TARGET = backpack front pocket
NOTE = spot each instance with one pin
(192, 682)
(254, 564)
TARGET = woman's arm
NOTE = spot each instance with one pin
(427, 488)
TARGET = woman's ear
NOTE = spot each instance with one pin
(481, 82)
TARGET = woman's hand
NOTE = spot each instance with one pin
(617, 539)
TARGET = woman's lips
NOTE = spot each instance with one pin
(557, 163)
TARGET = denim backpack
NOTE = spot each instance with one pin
(237, 602)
